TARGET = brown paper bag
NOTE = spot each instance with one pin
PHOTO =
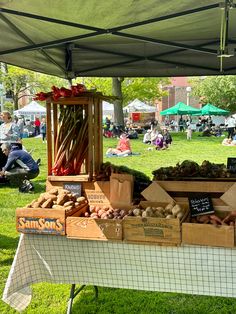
(121, 189)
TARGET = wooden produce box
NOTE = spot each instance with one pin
(210, 235)
(154, 230)
(45, 220)
(94, 229)
(98, 194)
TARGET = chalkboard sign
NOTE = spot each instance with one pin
(231, 164)
(200, 205)
(73, 188)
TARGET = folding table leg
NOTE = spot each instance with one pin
(74, 293)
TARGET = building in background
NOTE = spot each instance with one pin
(179, 90)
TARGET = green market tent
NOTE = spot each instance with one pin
(151, 38)
(180, 109)
(211, 110)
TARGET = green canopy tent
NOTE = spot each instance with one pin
(180, 109)
(211, 110)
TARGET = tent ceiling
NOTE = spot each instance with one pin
(117, 38)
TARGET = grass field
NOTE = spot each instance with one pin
(50, 298)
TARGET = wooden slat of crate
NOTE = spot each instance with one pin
(94, 229)
(195, 186)
(202, 234)
(49, 137)
(59, 181)
(154, 230)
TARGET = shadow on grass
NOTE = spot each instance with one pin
(39, 186)
(8, 246)
(8, 242)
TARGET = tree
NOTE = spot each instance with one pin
(19, 82)
(217, 90)
(126, 90)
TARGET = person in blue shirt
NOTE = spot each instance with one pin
(20, 164)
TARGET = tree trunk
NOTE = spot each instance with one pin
(118, 108)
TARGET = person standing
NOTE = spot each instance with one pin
(37, 127)
(230, 122)
(9, 131)
(43, 129)
(20, 124)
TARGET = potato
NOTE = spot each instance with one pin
(168, 208)
(53, 191)
(47, 204)
(176, 209)
(137, 212)
(170, 216)
(100, 212)
(69, 203)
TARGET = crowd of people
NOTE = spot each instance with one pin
(16, 164)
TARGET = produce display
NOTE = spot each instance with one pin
(215, 219)
(169, 211)
(57, 198)
(189, 168)
(71, 142)
(107, 212)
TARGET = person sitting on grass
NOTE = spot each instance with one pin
(159, 142)
(147, 137)
(123, 148)
(167, 138)
(20, 165)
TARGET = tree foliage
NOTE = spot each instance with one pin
(218, 90)
(20, 82)
(145, 89)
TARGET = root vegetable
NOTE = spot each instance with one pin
(176, 209)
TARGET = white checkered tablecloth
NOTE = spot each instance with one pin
(187, 269)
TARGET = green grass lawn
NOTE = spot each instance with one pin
(50, 298)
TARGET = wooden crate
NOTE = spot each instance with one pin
(153, 230)
(90, 104)
(94, 229)
(98, 194)
(210, 235)
(45, 220)
(180, 190)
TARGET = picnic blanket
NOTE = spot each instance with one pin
(126, 155)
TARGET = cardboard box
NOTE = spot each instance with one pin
(45, 220)
(98, 194)
(210, 235)
(154, 230)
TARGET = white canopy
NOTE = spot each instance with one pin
(139, 106)
(33, 108)
(107, 109)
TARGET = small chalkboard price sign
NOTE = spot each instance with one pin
(200, 205)
(73, 188)
(231, 164)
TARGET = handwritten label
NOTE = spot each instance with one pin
(200, 205)
(231, 164)
(74, 188)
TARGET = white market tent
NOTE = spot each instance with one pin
(32, 109)
(139, 106)
(107, 109)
